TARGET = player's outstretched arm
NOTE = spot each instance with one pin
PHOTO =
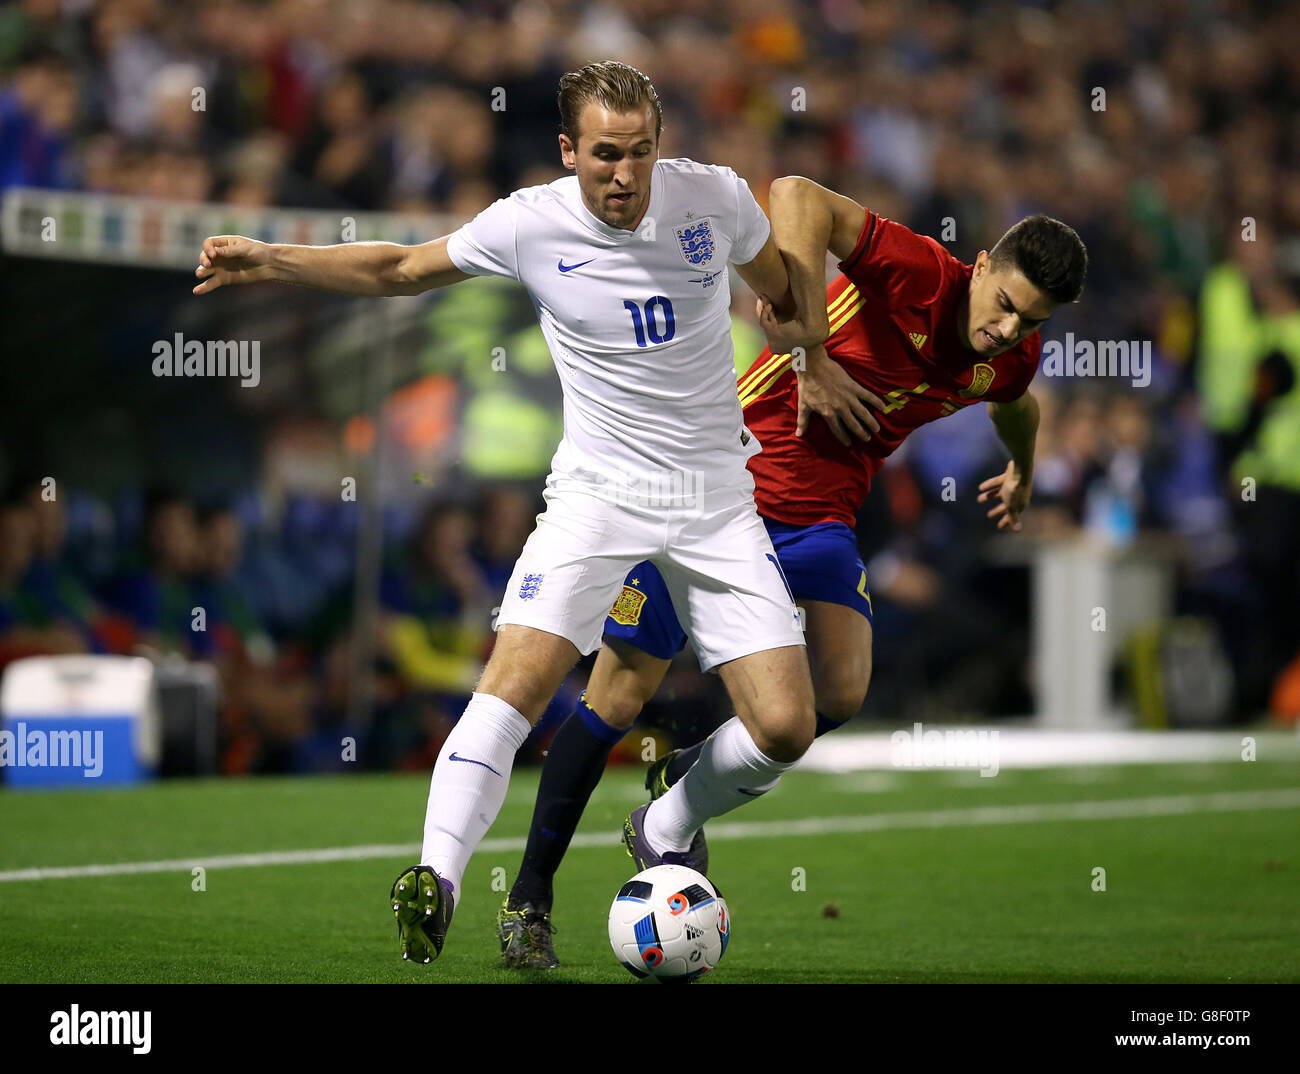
(1017, 427)
(356, 268)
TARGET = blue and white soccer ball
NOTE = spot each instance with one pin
(669, 923)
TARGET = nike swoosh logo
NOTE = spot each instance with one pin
(470, 760)
(570, 268)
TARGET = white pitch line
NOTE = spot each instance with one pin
(1116, 809)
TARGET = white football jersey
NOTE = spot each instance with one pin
(637, 323)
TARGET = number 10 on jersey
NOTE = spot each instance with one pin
(655, 309)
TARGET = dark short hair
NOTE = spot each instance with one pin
(1048, 253)
(616, 86)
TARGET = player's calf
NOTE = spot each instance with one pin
(623, 679)
(839, 652)
(473, 769)
(671, 767)
(741, 760)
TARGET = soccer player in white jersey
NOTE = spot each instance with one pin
(626, 263)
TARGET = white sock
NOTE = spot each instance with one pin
(730, 771)
(469, 783)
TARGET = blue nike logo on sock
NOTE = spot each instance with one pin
(470, 760)
(570, 268)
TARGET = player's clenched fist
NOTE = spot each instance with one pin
(231, 259)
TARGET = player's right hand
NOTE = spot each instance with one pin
(783, 337)
(826, 388)
(232, 259)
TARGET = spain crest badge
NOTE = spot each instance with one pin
(981, 379)
(627, 608)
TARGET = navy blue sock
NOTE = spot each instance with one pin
(573, 767)
(825, 723)
(681, 764)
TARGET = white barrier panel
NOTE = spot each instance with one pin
(78, 721)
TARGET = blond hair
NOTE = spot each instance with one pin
(611, 84)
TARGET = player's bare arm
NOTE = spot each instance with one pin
(766, 277)
(378, 269)
(808, 220)
(1017, 427)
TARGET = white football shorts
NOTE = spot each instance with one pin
(716, 559)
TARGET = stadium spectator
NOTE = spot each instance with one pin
(37, 115)
(1249, 369)
(153, 588)
(30, 624)
(506, 517)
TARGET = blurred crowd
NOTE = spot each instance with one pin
(1167, 134)
(1149, 127)
(271, 603)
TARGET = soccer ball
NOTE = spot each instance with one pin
(669, 923)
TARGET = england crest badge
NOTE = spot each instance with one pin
(696, 242)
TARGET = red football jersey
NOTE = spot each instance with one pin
(893, 314)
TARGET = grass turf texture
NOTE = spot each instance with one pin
(1200, 896)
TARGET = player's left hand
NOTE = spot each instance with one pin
(826, 388)
(1013, 490)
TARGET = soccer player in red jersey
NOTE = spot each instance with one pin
(921, 335)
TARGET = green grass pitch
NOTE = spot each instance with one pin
(1195, 895)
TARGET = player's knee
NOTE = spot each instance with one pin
(788, 746)
(789, 739)
(618, 697)
(524, 692)
(620, 701)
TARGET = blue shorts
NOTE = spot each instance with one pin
(819, 562)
